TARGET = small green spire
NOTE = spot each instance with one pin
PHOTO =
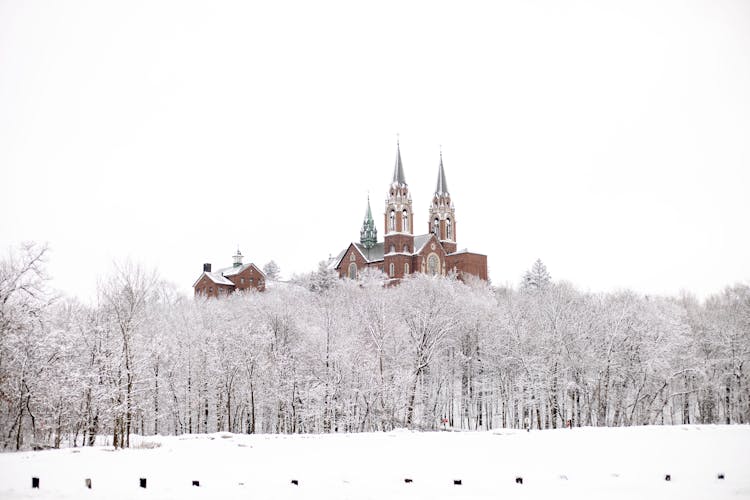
(368, 235)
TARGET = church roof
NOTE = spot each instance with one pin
(398, 170)
(377, 252)
(442, 185)
(420, 241)
(374, 254)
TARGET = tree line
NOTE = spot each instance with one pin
(319, 354)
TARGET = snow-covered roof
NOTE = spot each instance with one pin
(334, 262)
(373, 254)
(377, 253)
(464, 250)
(215, 277)
(233, 271)
(420, 241)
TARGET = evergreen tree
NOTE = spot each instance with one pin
(536, 278)
(272, 271)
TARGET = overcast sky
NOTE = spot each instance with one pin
(609, 139)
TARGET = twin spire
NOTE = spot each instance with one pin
(400, 179)
(398, 170)
(442, 185)
(368, 235)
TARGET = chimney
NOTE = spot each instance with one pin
(207, 268)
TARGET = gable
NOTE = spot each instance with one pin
(429, 245)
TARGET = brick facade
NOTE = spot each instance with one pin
(239, 277)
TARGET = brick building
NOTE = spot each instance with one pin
(225, 281)
(402, 252)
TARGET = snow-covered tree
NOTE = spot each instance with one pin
(536, 278)
(24, 352)
(272, 271)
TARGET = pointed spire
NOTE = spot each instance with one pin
(368, 235)
(398, 170)
(442, 185)
(368, 212)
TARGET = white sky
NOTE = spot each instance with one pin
(610, 139)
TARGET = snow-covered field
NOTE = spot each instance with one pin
(588, 463)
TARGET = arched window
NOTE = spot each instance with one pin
(392, 249)
(353, 271)
(436, 227)
(392, 221)
(406, 248)
(433, 265)
(391, 270)
(405, 221)
(406, 268)
(448, 229)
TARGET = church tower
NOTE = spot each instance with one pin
(368, 235)
(399, 234)
(442, 213)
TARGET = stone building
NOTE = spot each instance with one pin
(229, 279)
(402, 252)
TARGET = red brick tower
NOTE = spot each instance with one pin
(442, 221)
(399, 235)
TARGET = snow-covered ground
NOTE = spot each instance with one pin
(588, 463)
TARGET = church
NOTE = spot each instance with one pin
(402, 252)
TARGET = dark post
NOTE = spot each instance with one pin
(35, 482)
(196, 483)
(88, 483)
(143, 482)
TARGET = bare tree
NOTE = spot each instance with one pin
(125, 297)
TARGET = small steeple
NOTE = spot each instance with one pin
(368, 235)
(237, 259)
(398, 170)
(442, 185)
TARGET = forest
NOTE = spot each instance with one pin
(320, 355)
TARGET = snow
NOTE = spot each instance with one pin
(586, 463)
